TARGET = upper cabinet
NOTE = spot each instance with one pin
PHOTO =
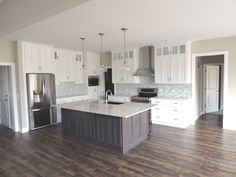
(124, 66)
(173, 64)
(37, 58)
(65, 64)
(93, 63)
(68, 66)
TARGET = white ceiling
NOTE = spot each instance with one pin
(148, 21)
(17, 14)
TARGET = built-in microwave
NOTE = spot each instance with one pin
(93, 81)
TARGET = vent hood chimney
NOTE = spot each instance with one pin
(146, 55)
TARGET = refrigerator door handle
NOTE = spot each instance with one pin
(43, 88)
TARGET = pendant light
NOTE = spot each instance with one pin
(83, 53)
(125, 59)
(101, 56)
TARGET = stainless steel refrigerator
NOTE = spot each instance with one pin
(41, 100)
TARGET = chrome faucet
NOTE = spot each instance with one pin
(107, 95)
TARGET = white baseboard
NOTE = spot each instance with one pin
(24, 130)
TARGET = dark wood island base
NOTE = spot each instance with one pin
(116, 133)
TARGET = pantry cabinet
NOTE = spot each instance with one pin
(173, 64)
(124, 66)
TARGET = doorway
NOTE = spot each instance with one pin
(5, 95)
(209, 80)
(213, 89)
(8, 97)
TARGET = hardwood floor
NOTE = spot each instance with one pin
(201, 150)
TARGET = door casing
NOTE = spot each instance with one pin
(15, 116)
(195, 106)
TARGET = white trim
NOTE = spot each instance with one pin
(24, 130)
(22, 89)
(226, 72)
(16, 128)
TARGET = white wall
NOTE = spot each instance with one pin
(216, 45)
(7, 51)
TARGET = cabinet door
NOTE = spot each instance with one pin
(182, 75)
(163, 65)
(78, 68)
(158, 70)
(108, 130)
(94, 92)
(129, 78)
(63, 67)
(166, 69)
(93, 60)
(46, 58)
(70, 58)
(114, 70)
(174, 64)
(57, 66)
(26, 50)
(31, 57)
(121, 71)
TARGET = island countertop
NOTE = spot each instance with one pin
(122, 110)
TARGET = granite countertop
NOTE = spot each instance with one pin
(71, 96)
(172, 97)
(123, 110)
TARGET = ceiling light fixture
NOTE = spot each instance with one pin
(83, 54)
(125, 55)
(101, 35)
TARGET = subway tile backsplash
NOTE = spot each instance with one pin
(164, 90)
(68, 89)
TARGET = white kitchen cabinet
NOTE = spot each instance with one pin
(93, 63)
(37, 58)
(124, 66)
(94, 92)
(171, 112)
(78, 68)
(68, 66)
(57, 66)
(172, 64)
(46, 58)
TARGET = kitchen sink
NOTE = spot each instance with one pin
(112, 102)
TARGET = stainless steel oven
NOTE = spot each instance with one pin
(144, 96)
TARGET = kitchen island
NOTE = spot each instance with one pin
(119, 127)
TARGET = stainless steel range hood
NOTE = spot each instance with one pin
(146, 55)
